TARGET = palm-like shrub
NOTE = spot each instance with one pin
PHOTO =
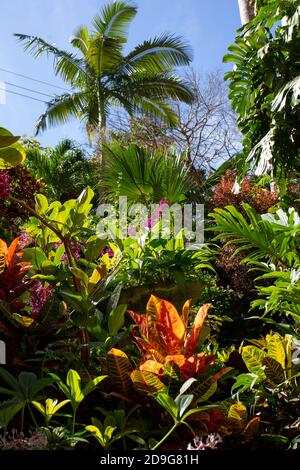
(144, 177)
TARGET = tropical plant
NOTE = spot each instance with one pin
(264, 88)
(73, 391)
(12, 153)
(271, 244)
(271, 384)
(101, 75)
(145, 177)
(114, 427)
(50, 408)
(169, 353)
(22, 392)
(64, 169)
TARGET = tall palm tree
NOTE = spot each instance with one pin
(101, 75)
(247, 10)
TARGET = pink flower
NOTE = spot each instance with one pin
(4, 185)
(76, 250)
(38, 298)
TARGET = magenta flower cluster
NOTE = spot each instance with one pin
(4, 185)
(109, 251)
(38, 298)
(76, 250)
(163, 204)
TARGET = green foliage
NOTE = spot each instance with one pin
(264, 87)
(65, 169)
(144, 177)
(11, 152)
(73, 391)
(271, 242)
(22, 391)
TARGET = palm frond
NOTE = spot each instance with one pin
(104, 55)
(144, 177)
(156, 110)
(114, 19)
(81, 39)
(159, 54)
(66, 64)
(163, 86)
(61, 108)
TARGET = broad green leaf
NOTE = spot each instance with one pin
(168, 404)
(74, 384)
(41, 203)
(116, 319)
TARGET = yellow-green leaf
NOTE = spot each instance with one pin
(276, 349)
(253, 358)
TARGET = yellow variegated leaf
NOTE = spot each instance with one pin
(146, 382)
(237, 415)
(275, 348)
(119, 369)
(22, 320)
(253, 358)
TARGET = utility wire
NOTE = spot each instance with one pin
(33, 79)
(25, 96)
(29, 89)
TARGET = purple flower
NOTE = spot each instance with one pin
(150, 223)
(25, 239)
(75, 248)
(4, 185)
(38, 298)
(109, 251)
(131, 230)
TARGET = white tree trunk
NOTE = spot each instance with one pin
(247, 11)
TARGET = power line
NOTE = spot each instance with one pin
(29, 89)
(20, 94)
(33, 79)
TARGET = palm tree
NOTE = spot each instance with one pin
(101, 75)
(247, 10)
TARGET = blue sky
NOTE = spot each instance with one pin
(209, 26)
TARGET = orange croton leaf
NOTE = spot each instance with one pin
(169, 317)
(186, 312)
(153, 350)
(12, 251)
(193, 337)
(3, 251)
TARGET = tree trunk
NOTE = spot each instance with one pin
(247, 10)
